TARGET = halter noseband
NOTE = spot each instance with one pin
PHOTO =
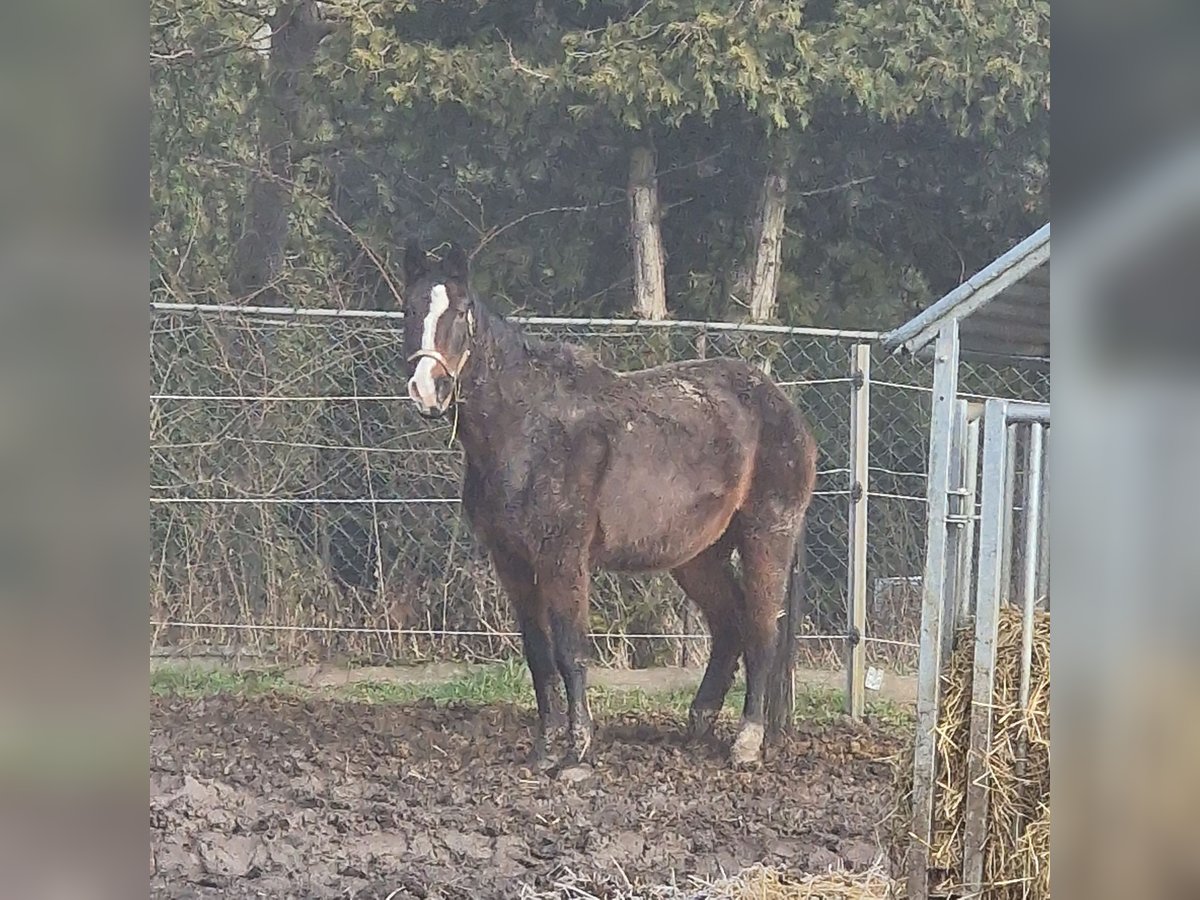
(455, 373)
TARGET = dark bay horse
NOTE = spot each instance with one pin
(571, 466)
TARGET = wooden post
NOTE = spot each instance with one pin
(856, 587)
(945, 389)
(989, 597)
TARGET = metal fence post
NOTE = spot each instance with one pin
(1010, 503)
(970, 498)
(1043, 578)
(945, 389)
(954, 534)
(1029, 595)
(990, 594)
(856, 588)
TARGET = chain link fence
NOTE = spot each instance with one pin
(300, 509)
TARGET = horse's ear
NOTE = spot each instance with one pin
(456, 265)
(415, 263)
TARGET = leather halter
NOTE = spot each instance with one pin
(455, 373)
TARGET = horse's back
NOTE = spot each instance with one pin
(687, 444)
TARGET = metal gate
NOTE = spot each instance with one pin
(988, 547)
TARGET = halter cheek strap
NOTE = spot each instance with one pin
(455, 374)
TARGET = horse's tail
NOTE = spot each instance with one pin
(780, 700)
(796, 575)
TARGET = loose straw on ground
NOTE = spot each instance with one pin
(756, 883)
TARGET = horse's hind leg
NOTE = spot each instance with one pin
(710, 583)
(766, 554)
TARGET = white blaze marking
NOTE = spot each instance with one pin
(422, 380)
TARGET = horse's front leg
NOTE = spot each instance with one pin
(567, 599)
(534, 619)
(539, 655)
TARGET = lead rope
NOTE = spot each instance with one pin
(454, 425)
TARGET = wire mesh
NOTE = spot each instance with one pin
(898, 451)
(300, 508)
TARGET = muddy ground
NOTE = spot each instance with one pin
(283, 797)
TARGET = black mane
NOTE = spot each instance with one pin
(509, 337)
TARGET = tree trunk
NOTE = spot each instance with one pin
(258, 254)
(650, 287)
(768, 241)
(258, 258)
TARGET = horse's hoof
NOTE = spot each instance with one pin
(574, 774)
(747, 749)
(581, 744)
(701, 722)
(539, 754)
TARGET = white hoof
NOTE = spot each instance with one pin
(748, 746)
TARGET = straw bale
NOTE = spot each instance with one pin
(755, 883)
(1017, 854)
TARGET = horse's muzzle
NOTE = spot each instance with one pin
(435, 413)
(439, 390)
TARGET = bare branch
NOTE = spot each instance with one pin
(519, 66)
(438, 199)
(325, 206)
(816, 192)
(494, 233)
(192, 55)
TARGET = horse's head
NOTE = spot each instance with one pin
(439, 325)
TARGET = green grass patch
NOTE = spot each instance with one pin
(195, 681)
(505, 682)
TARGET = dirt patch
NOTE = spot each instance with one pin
(277, 796)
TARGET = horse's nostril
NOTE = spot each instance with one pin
(412, 390)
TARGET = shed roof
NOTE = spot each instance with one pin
(1003, 310)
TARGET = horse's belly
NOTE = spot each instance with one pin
(658, 531)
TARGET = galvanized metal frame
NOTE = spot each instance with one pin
(1000, 416)
(941, 431)
(1016, 281)
(1003, 274)
(957, 520)
(988, 598)
(1010, 495)
(856, 588)
(955, 431)
(1043, 569)
(1029, 580)
(966, 581)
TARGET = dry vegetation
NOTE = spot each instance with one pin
(1017, 855)
(756, 883)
